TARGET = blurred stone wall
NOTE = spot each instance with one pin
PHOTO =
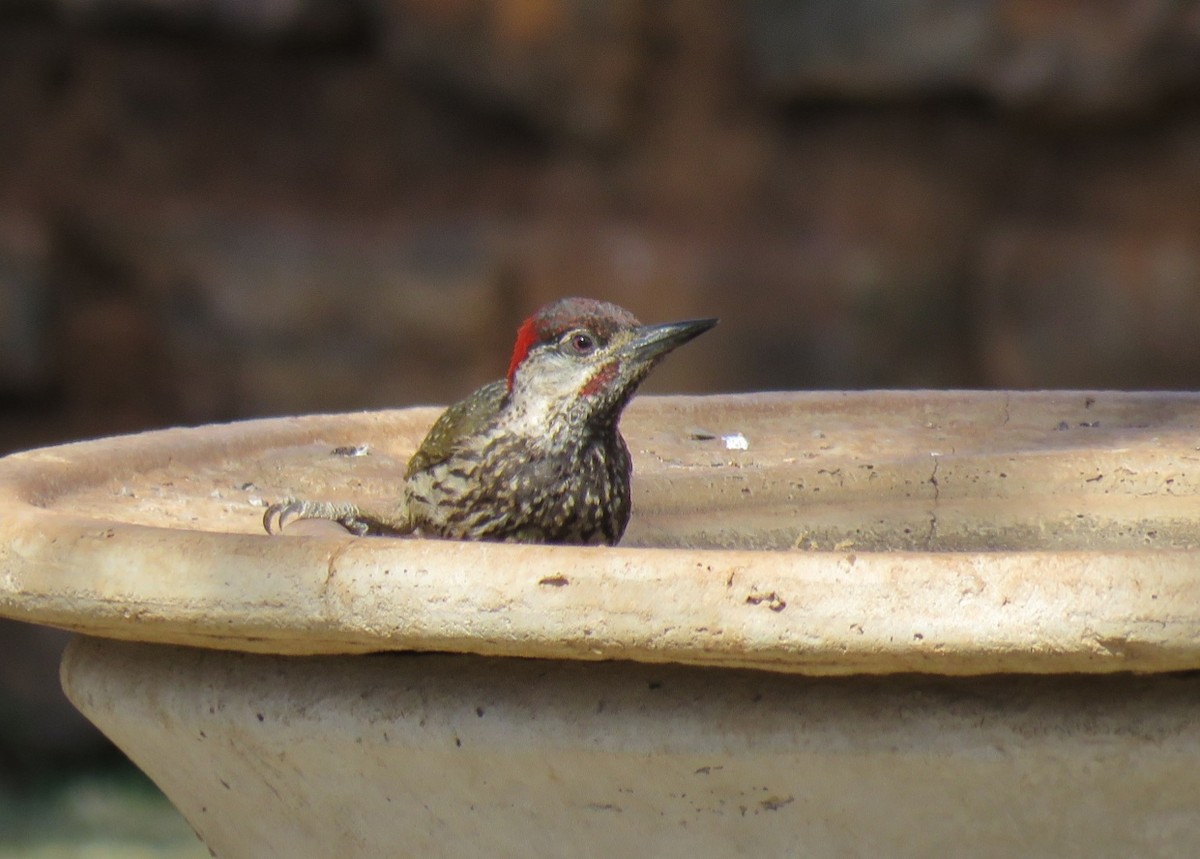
(213, 209)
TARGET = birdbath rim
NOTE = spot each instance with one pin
(155, 537)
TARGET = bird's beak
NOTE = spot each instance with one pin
(651, 342)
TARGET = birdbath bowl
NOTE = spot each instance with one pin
(880, 623)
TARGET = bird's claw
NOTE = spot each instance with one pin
(356, 520)
(283, 513)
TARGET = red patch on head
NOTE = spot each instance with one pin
(527, 335)
(599, 381)
(559, 317)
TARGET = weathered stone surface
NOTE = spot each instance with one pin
(1058, 56)
(1076, 58)
(314, 21)
(873, 532)
(282, 315)
(459, 756)
(868, 48)
(25, 354)
(1061, 306)
(567, 67)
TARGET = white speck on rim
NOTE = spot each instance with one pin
(737, 441)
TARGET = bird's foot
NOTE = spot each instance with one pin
(353, 518)
(281, 514)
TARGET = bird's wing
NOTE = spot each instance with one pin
(463, 419)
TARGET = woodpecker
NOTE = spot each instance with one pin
(535, 457)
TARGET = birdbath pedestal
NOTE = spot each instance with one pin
(902, 624)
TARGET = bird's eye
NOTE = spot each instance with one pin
(582, 344)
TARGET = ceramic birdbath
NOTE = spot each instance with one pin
(881, 623)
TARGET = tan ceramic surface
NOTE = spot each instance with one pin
(431, 755)
(946, 532)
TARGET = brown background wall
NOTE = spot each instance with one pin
(213, 210)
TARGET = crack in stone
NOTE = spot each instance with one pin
(331, 568)
(933, 518)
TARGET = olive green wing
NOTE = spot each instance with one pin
(464, 418)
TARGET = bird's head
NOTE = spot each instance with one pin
(583, 359)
